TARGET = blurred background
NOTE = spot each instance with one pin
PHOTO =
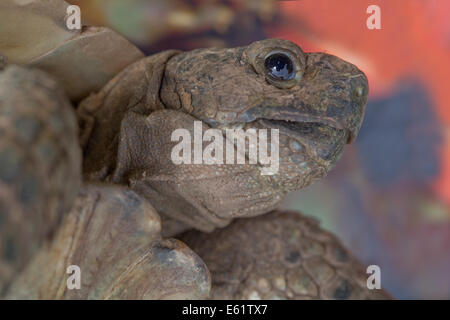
(389, 197)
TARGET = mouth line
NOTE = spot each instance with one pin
(292, 122)
(300, 129)
(293, 129)
(288, 120)
(299, 122)
(289, 115)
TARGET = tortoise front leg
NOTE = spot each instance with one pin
(113, 236)
(280, 255)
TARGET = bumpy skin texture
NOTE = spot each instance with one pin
(40, 164)
(113, 235)
(280, 255)
(127, 127)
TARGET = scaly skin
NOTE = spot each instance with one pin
(127, 126)
(280, 255)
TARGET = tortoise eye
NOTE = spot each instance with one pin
(279, 66)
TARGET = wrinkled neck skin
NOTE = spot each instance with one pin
(126, 137)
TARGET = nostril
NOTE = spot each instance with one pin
(359, 92)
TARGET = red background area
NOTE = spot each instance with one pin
(405, 226)
(414, 39)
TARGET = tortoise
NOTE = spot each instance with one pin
(87, 177)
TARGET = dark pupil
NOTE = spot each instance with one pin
(280, 66)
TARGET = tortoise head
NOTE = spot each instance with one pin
(315, 100)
